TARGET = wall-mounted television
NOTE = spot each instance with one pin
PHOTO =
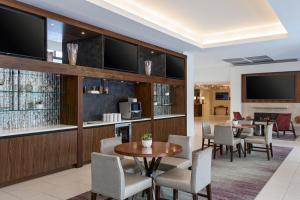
(175, 67)
(22, 34)
(280, 87)
(120, 55)
(222, 96)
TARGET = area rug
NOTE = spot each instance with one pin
(240, 180)
(286, 137)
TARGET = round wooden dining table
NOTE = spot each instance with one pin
(157, 151)
(240, 128)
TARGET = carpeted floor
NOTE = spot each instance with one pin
(240, 180)
(287, 137)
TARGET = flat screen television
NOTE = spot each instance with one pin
(175, 67)
(22, 34)
(222, 96)
(120, 55)
(280, 87)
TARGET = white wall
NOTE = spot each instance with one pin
(190, 93)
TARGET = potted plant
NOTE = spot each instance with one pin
(147, 140)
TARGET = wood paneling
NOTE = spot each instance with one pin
(28, 156)
(297, 88)
(91, 139)
(143, 94)
(165, 127)
(139, 129)
(178, 100)
(65, 69)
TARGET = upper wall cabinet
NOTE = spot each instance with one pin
(175, 67)
(158, 59)
(89, 44)
(120, 55)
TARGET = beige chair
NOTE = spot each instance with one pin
(206, 134)
(109, 179)
(182, 160)
(224, 136)
(261, 140)
(191, 181)
(246, 131)
(107, 147)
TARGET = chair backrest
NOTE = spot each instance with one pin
(268, 133)
(223, 135)
(206, 129)
(201, 170)
(185, 142)
(107, 146)
(107, 176)
(237, 116)
(283, 121)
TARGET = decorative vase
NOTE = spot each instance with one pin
(148, 66)
(72, 53)
(147, 143)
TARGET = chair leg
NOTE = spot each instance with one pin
(157, 192)
(93, 196)
(208, 143)
(249, 148)
(231, 153)
(149, 194)
(268, 151)
(195, 196)
(203, 140)
(238, 146)
(271, 149)
(215, 149)
(175, 194)
(221, 149)
(245, 149)
(208, 191)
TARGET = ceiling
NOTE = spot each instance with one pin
(204, 23)
(233, 26)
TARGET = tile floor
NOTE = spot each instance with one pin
(284, 184)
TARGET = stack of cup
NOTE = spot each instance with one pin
(112, 117)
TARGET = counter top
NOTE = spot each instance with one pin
(25, 131)
(102, 123)
(168, 116)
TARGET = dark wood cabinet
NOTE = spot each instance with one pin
(140, 128)
(33, 155)
(171, 126)
(91, 140)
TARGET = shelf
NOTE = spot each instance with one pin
(33, 92)
(25, 110)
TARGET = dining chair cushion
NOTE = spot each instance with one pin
(211, 136)
(179, 179)
(135, 184)
(185, 143)
(168, 163)
(255, 140)
(224, 136)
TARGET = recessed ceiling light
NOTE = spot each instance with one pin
(152, 52)
(52, 24)
(82, 33)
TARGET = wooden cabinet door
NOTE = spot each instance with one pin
(92, 137)
(32, 155)
(140, 128)
(171, 126)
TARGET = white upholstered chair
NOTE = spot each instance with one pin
(107, 147)
(182, 160)
(191, 181)
(260, 140)
(109, 179)
(224, 136)
(206, 134)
